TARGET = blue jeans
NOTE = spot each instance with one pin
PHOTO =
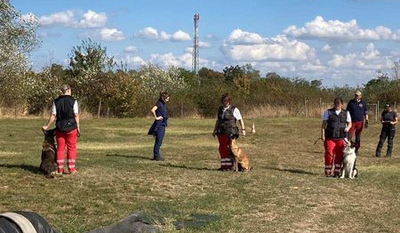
(158, 141)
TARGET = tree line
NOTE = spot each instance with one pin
(105, 88)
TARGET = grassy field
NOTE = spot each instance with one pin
(285, 191)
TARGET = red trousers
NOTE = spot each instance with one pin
(333, 155)
(66, 139)
(226, 161)
(355, 130)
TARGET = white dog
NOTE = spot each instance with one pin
(349, 158)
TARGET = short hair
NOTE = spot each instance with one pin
(64, 88)
(227, 97)
(164, 95)
(338, 99)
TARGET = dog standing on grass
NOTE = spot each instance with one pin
(49, 153)
(349, 158)
(239, 157)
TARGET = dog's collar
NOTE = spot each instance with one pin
(49, 148)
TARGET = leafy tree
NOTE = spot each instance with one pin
(89, 63)
(17, 40)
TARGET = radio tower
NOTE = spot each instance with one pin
(195, 55)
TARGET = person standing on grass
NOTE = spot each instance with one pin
(157, 129)
(389, 120)
(358, 112)
(336, 122)
(226, 130)
(66, 114)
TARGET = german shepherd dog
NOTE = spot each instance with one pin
(49, 153)
(241, 161)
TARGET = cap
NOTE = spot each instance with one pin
(387, 106)
(358, 93)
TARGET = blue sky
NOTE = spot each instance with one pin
(338, 41)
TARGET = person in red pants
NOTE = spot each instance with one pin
(336, 122)
(226, 130)
(66, 114)
(359, 118)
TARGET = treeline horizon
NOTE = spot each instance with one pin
(131, 93)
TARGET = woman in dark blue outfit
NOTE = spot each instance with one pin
(157, 129)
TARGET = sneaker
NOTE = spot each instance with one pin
(72, 172)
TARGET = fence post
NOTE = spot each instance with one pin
(377, 110)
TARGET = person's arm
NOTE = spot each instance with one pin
(215, 128)
(396, 119)
(241, 122)
(347, 129)
(76, 115)
(49, 122)
(366, 112)
(153, 111)
(323, 127)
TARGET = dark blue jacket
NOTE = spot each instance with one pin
(161, 111)
(357, 110)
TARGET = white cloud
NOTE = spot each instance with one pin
(337, 30)
(245, 46)
(150, 33)
(130, 49)
(65, 18)
(369, 59)
(203, 44)
(240, 37)
(147, 33)
(181, 36)
(111, 34)
(90, 19)
(326, 48)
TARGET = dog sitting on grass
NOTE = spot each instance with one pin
(349, 158)
(49, 153)
(241, 161)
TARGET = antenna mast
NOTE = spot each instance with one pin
(195, 55)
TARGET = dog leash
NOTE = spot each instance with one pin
(317, 141)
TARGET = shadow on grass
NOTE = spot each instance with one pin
(30, 168)
(292, 170)
(130, 156)
(186, 167)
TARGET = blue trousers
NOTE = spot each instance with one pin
(158, 141)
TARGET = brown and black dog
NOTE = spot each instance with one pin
(240, 159)
(49, 154)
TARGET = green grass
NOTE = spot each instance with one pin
(285, 191)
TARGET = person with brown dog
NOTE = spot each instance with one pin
(66, 114)
(226, 130)
(336, 122)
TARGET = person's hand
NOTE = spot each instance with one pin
(214, 133)
(159, 118)
(392, 122)
(323, 138)
(243, 132)
(78, 132)
(366, 124)
(346, 130)
(45, 128)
